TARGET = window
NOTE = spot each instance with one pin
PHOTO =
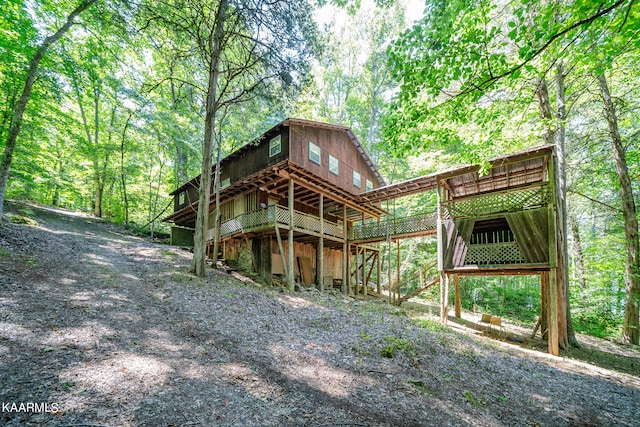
(181, 198)
(225, 182)
(368, 185)
(334, 165)
(275, 146)
(357, 179)
(315, 153)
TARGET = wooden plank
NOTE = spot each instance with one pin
(280, 247)
(277, 266)
(306, 272)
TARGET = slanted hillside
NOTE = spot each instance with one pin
(113, 330)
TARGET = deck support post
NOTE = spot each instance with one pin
(379, 268)
(444, 297)
(456, 281)
(553, 339)
(290, 258)
(320, 250)
(397, 298)
(345, 254)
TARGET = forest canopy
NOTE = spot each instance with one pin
(105, 104)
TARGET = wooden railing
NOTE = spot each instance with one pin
(415, 224)
(509, 200)
(270, 216)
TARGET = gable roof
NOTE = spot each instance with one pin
(288, 122)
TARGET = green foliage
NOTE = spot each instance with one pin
(394, 345)
(19, 219)
(513, 297)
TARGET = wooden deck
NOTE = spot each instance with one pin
(272, 216)
(395, 228)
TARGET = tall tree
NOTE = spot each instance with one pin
(242, 48)
(21, 104)
(631, 326)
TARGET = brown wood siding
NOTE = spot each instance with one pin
(254, 159)
(338, 144)
(190, 196)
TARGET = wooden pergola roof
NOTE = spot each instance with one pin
(521, 168)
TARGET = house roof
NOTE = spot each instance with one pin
(508, 171)
(288, 122)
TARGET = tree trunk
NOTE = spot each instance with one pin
(631, 325)
(216, 216)
(98, 180)
(561, 199)
(198, 265)
(21, 105)
(123, 175)
(577, 249)
(561, 272)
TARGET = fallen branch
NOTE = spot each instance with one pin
(417, 291)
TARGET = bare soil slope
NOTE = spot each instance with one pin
(113, 330)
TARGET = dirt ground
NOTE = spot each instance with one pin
(100, 328)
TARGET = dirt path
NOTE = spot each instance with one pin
(112, 331)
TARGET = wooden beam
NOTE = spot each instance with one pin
(290, 259)
(456, 281)
(552, 322)
(444, 297)
(398, 270)
(345, 253)
(320, 254)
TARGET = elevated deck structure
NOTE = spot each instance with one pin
(305, 201)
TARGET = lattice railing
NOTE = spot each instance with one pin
(269, 216)
(502, 201)
(394, 227)
(494, 253)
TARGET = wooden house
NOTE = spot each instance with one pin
(288, 199)
(303, 202)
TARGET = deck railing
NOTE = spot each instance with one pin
(510, 200)
(268, 217)
(420, 223)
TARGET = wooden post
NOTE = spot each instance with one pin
(552, 285)
(444, 297)
(345, 255)
(544, 308)
(379, 272)
(398, 272)
(290, 259)
(364, 271)
(439, 234)
(456, 281)
(553, 313)
(285, 264)
(320, 254)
